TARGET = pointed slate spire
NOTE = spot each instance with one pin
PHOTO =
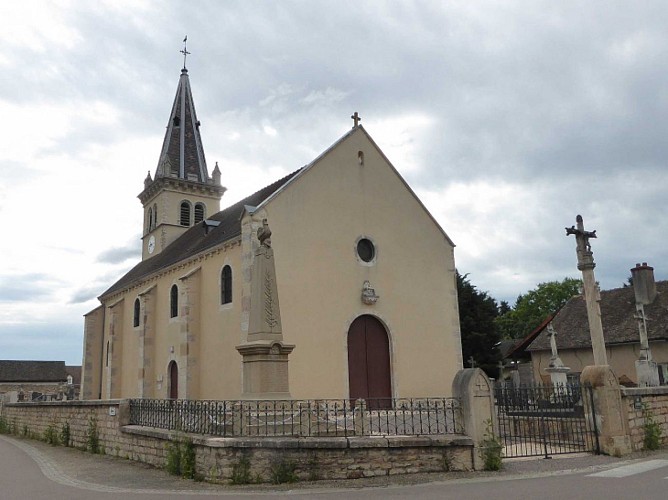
(182, 153)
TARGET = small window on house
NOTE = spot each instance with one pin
(185, 214)
(366, 250)
(135, 316)
(199, 212)
(174, 302)
(226, 285)
(69, 380)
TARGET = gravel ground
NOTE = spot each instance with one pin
(111, 472)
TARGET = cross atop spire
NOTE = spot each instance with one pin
(356, 119)
(185, 51)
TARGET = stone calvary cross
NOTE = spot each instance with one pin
(592, 295)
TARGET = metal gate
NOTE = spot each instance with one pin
(546, 420)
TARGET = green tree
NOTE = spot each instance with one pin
(480, 336)
(533, 307)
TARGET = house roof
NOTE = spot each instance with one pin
(519, 346)
(196, 239)
(618, 308)
(32, 371)
(75, 371)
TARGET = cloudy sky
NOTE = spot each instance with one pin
(507, 118)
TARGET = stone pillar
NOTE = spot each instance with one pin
(146, 344)
(189, 303)
(592, 294)
(607, 410)
(474, 390)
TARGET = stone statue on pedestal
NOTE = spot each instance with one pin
(265, 355)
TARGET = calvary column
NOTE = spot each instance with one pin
(591, 292)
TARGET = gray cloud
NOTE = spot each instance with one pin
(25, 287)
(87, 293)
(118, 255)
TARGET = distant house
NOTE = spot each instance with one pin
(517, 362)
(30, 380)
(620, 330)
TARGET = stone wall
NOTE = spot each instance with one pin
(636, 401)
(321, 458)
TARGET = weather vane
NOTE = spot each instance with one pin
(185, 51)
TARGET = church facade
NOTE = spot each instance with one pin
(365, 279)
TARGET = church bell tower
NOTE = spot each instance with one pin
(181, 194)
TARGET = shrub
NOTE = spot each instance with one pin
(491, 449)
(65, 434)
(4, 425)
(241, 471)
(283, 471)
(92, 436)
(181, 458)
(173, 464)
(652, 429)
(188, 459)
(51, 435)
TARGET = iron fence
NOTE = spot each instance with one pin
(323, 417)
(545, 420)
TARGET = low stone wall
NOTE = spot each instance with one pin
(638, 400)
(313, 458)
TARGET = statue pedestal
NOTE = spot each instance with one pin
(558, 375)
(265, 369)
(647, 372)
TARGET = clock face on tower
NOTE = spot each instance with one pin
(151, 244)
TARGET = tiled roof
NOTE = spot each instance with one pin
(617, 311)
(75, 371)
(196, 240)
(32, 371)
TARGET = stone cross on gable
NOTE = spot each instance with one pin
(472, 361)
(356, 119)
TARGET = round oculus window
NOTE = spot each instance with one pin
(366, 250)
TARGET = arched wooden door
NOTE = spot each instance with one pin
(369, 374)
(173, 380)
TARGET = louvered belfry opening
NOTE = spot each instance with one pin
(199, 213)
(184, 219)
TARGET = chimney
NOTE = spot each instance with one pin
(644, 285)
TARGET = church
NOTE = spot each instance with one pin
(362, 302)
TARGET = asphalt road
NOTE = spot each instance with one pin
(33, 470)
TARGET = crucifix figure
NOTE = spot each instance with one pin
(586, 265)
(356, 118)
(585, 255)
(184, 51)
